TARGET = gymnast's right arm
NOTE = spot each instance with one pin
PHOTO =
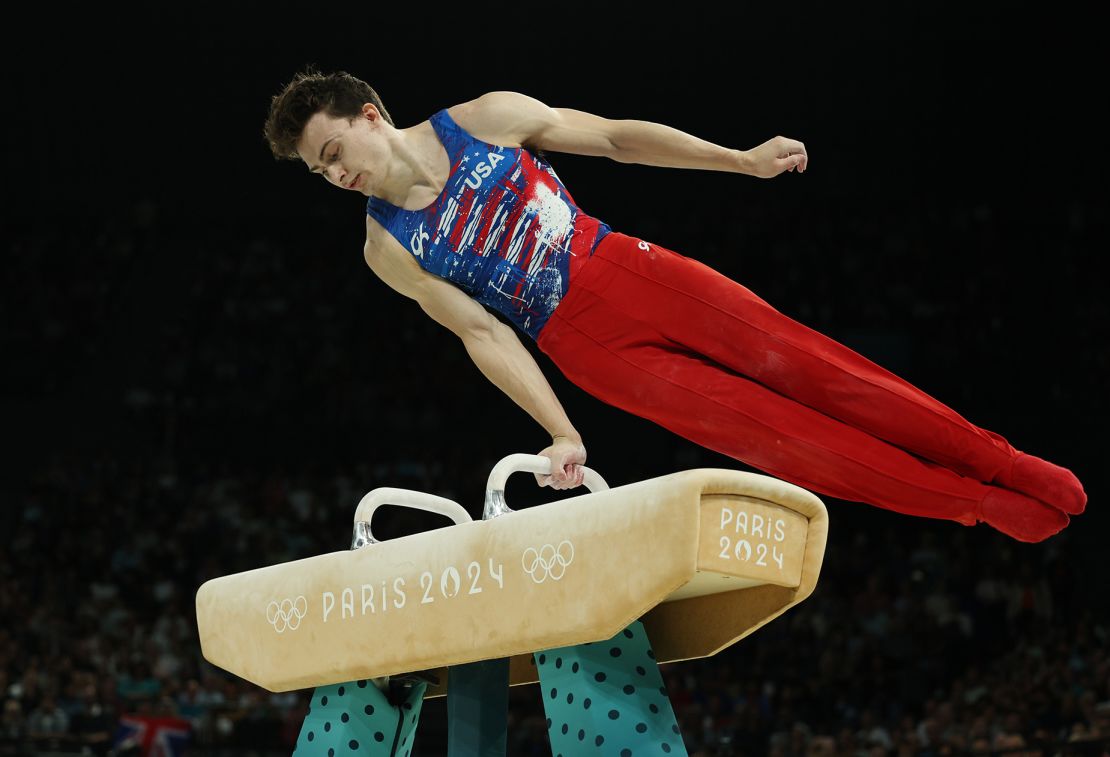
(492, 345)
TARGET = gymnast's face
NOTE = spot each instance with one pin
(349, 153)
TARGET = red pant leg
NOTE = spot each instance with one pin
(712, 315)
(626, 362)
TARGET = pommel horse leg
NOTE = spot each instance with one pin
(478, 709)
(608, 698)
(359, 718)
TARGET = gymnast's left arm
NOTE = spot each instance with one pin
(533, 124)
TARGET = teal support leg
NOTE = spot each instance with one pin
(477, 709)
(359, 718)
(608, 698)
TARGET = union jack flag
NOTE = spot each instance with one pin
(153, 736)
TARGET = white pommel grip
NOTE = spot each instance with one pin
(521, 463)
(388, 495)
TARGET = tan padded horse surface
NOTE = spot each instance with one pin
(703, 557)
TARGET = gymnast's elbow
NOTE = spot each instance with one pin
(452, 308)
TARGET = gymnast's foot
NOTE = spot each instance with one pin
(1023, 518)
(1049, 483)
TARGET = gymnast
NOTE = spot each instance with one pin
(464, 212)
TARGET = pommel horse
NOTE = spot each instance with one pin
(567, 594)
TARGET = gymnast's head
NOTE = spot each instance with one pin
(335, 123)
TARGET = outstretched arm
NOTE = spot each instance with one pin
(529, 122)
(497, 351)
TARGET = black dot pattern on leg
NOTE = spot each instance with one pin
(346, 718)
(620, 676)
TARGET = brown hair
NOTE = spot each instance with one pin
(338, 95)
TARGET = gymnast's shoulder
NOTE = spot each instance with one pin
(513, 119)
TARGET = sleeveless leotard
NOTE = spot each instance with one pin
(504, 229)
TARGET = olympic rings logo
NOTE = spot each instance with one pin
(287, 613)
(548, 561)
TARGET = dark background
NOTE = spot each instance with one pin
(951, 226)
(177, 303)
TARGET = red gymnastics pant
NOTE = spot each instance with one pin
(669, 339)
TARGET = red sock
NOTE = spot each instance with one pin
(1023, 518)
(1049, 483)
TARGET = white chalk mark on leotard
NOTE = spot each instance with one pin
(555, 223)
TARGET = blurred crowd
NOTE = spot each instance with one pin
(187, 412)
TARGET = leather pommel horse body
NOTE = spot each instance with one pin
(701, 557)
